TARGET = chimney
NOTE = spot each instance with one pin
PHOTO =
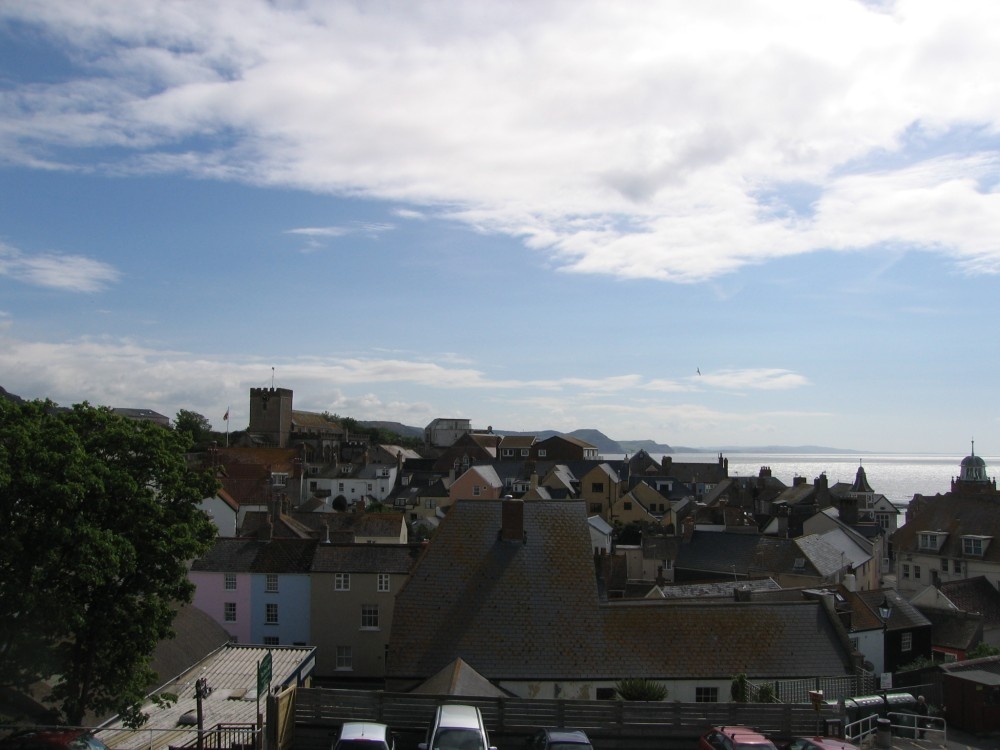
(533, 481)
(512, 520)
(798, 481)
(742, 593)
(688, 526)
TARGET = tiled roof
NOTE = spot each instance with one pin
(365, 558)
(482, 599)
(974, 595)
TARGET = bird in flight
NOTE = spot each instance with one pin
(699, 370)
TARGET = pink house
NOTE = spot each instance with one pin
(479, 482)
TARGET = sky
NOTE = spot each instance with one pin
(715, 223)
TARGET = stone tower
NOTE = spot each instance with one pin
(271, 415)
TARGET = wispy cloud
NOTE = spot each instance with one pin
(671, 142)
(763, 379)
(70, 273)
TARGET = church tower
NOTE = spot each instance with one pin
(271, 415)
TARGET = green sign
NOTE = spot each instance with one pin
(264, 674)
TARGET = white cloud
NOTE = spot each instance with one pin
(630, 142)
(763, 379)
(71, 273)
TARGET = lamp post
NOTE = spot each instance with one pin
(885, 612)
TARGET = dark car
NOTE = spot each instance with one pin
(734, 738)
(52, 739)
(560, 739)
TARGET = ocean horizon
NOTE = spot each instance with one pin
(897, 476)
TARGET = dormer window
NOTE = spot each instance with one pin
(975, 546)
(931, 541)
(279, 479)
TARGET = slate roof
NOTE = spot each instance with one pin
(257, 556)
(954, 630)
(957, 515)
(365, 558)
(904, 616)
(482, 599)
(715, 552)
(475, 597)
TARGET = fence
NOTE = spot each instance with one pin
(797, 691)
(611, 724)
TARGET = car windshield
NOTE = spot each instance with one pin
(458, 739)
(372, 744)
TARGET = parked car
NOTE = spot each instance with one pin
(819, 743)
(559, 738)
(457, 727)
(364, 735)
(734, 738)
(52, 739)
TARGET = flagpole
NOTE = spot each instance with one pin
(227, 425)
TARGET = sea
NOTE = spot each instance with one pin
(897, 476)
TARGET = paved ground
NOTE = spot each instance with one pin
(956, 740)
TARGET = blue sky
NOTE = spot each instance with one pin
(533, 215)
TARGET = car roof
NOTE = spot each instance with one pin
(745, 735)
(830, 743)
(561, 734)
(359, 730)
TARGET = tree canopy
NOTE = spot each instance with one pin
(194, 424)
(100, 518)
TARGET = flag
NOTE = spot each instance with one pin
(225, 418)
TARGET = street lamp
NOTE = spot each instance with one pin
(885, 608)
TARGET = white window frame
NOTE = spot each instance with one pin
(271, 583)
(906, 641)
(341, 581)
(369, 617)
(230, 582)
(384, 583)
(271, 613)
(229, 612)
(345, 659)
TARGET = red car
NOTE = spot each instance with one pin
(52, 739)
(734, 738)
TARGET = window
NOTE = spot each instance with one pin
(627, 505)
(430, 503)
(383, 581)
(597, 486)
(973, 545)
(525, 452)
(508, 452)
(341, 581)
(916, 572)
(606, 694)
(475, 490)
(944, 565)
(541, 453)
(595, 507)
(369, 617)
(271, 640)
(957, 566)
(706, 695)
(340, 486)
(271, 583)
(929, 540)
(271, 614)
(279, 479)
(345, 659)
(906, 642)
(229, 611)
(230, 582)
(906, 571)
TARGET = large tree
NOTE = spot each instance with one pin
(99, 516)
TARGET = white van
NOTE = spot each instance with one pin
(457, 727)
